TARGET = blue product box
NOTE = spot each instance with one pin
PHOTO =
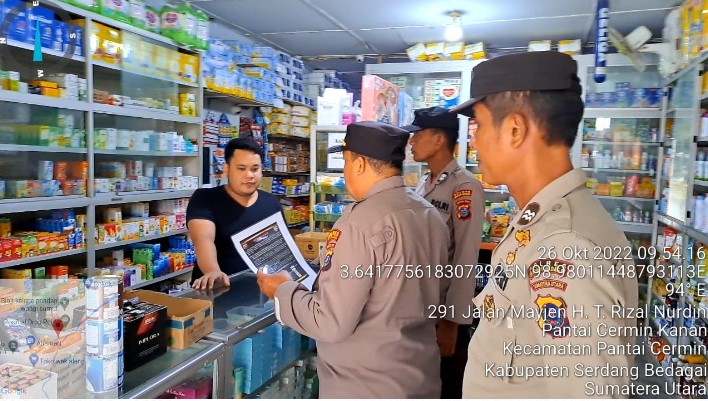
(59, 35)
(45, 17)
(622, 86)
(623, 98)
(74, 34)
(19, 26)
(607, 99)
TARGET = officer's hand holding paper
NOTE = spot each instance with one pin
(268, 245)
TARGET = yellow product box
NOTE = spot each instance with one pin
(189, 68)
(146, 56)
(455, 51)
(160, 60)
(188, 320)
(51, 92)
(475, 51)
(310, 243)
(20, 280)
(539, 45)
(92, 47)
(435, 51)
(131, 48)
(173, 65)
(44, 84)
(187, 104)
(109, 45)
(570, 47)
(417, 52)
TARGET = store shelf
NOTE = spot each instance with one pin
(702, 140)
(137, 153)
(700, 184)
(327, 217)
(496, 191)
(237, 100)
(140, 196)
(43, 203)
(472, 164)
(151, 114)
(626, 112)
(295, 103)
(334, 128)
(288, 173)
(639, 228)
(42, 258)
(160, 279)
(42, 149)
(300, 224)
(697, 235)
(289, 137)
(331, 189)
(694, 63)
(292, 196)
(118, 25)
(137, 240)
(653, 144)
(669, 221)
(45, 51)
(121, 70)
(625, 198)
(618, 170)
(46, 101)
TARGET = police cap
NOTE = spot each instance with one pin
(433, 117)
(377, 140)
(533, 71)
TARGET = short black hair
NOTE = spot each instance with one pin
(381, 166)
(557, 112)
(450, 135)
(241, 144)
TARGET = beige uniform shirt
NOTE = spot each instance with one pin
(375, 337)
(459, 197)
(550, 307)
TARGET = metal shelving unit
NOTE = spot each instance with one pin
(91, 116)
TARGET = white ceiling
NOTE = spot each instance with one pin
(330, 33)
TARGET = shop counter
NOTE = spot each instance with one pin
(243, 321)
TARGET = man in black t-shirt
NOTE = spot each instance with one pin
(215, 214)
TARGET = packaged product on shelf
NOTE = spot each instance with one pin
(44, 18)
(118, 10)
(475, 51)
(137, 13)
(539, 45)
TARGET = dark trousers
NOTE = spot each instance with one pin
(452, 368)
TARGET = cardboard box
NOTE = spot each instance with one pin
(144, 333)
(309, 243)
(188, 320)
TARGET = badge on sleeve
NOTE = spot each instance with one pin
(523, 237)
(553, 316)
(488, 307)
(464, 209)
(329, 249)
(529, 213)
(510, 257)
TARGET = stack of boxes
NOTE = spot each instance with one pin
(441, 51)
(135, 175)
(291, 120)
(115, 229)
(289, 157)
(61, 230)
(141, 141)
(291, 80)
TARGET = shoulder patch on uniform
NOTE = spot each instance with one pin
(461, 193)
(332, 239)
(464, 209)
(553, 316)
(523, 237)
(529, 213)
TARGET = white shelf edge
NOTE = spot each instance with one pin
(139, 196)
(41, 258)
(618, 170)
(670, 221)
(591, 142)
(50, 52)
(43, 149)
(160, 279)
(624, 198)
(44, 203)
(700, 236)
(296, 103)
(151, 114)
(120, 69)
(143, 153)
(45, 101)
(624, 112)
(700, 183)
(639, 228)
(137, 240)
(336, 128)
(241, 101)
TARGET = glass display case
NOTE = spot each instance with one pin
(329, 194)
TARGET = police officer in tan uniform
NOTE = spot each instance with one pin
(459, 197)
(371, 305)
(563, 268)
